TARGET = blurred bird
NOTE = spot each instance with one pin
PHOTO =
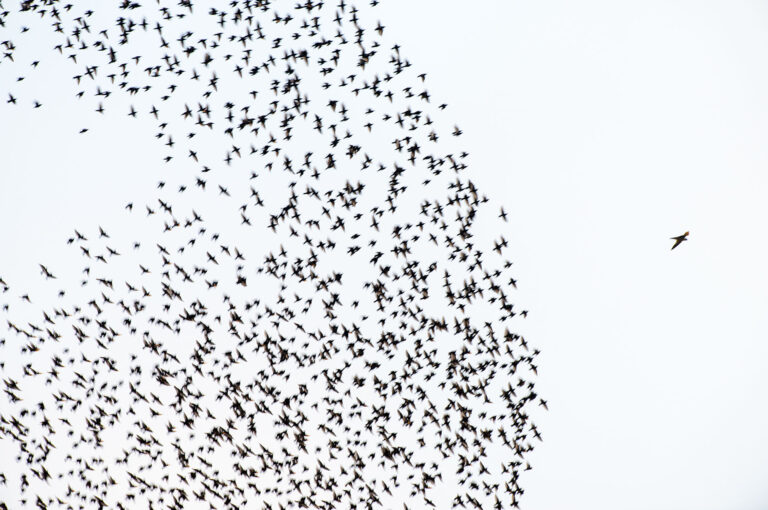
(679, 239)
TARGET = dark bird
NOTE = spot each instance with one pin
(679, 239)
(45, 272)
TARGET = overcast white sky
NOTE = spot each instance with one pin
(605, 128)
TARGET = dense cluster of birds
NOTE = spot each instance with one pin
(318, 312)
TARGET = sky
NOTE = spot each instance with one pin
(604, 129)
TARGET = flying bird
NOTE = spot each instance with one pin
(679, 239)
(45, 272)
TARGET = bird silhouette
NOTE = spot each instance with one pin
(679, 239)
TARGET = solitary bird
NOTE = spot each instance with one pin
(679, 239)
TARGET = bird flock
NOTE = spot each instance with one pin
(315, 308)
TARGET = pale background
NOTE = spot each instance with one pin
(604, 128)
